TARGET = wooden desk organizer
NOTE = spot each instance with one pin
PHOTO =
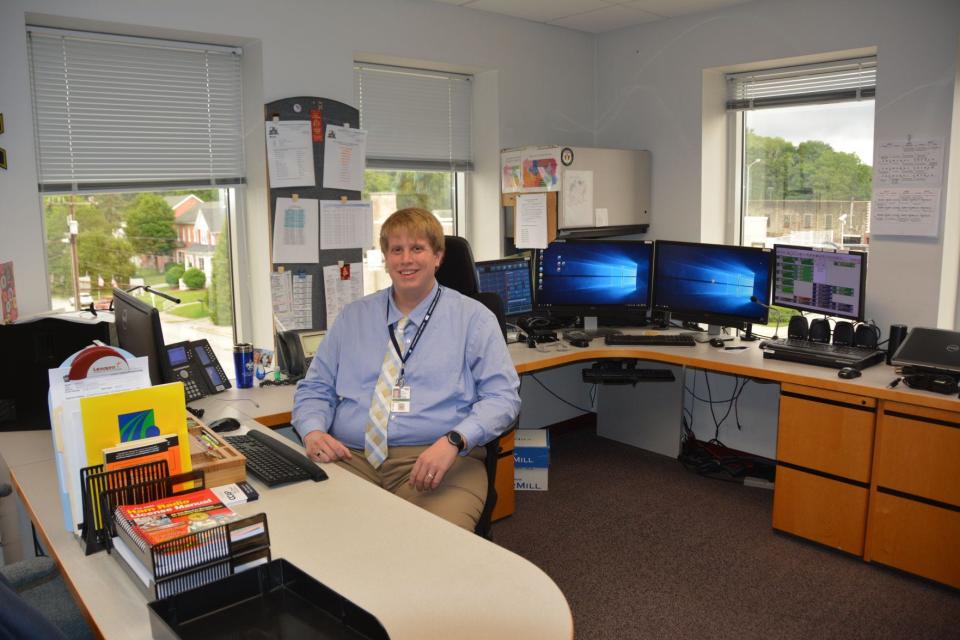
(231, 467)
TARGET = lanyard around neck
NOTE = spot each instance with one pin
(416, 338)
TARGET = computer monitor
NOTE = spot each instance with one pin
(712, 283)
(594, 279)
(510, 279)
(823, 281)
(139, 332)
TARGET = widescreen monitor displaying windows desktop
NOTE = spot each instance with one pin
(822, 281)
(712, 283)
(602, 278)
(510, 279)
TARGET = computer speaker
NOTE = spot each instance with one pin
(820, 330)
(797, 328)
(866, 336)
(843, 333)
(897, 333)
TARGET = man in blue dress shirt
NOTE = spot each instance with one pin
(410, 408)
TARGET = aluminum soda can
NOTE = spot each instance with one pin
(243, 365)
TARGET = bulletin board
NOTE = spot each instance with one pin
(330, 112)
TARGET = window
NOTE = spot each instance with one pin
(418, 145)
(140, 156)
(806, 153)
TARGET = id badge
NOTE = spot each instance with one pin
(400, 400)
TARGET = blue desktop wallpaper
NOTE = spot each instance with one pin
(594, 273)
(711, 279)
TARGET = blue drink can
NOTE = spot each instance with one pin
(243, 365)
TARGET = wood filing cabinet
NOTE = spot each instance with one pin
(914, 521)
(824, 453)
(506, 497)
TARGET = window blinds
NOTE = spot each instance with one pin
(839, 81)
(113, 112)
(414, 119)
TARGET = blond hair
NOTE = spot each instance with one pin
(416, 223)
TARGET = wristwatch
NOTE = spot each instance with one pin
(454, 438)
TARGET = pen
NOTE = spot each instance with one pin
(894, 383)
(733, 348)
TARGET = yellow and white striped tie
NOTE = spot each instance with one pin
(375, 434)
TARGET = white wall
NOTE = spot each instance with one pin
(650, 87)
(542, 81)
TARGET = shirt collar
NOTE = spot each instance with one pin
(416, 316)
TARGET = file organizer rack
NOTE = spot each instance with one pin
(94, 481)
(191, 560)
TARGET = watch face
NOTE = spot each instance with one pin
(455, 439)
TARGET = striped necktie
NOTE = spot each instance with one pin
(375, 434)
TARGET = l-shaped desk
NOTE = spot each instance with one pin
(862, 467)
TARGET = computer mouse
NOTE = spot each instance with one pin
(716, 342)
(224, 424)
(579, 342)
(849, 372)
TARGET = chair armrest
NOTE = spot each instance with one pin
(29, 573)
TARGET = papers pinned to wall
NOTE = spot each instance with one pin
(290, 154)
(577, 203)
(344, 158)
(531, 221)
(907, 181)
(296, 231)
(511, 169)
(346, 225)
(342, 285)
(291, 296)
(541, 169)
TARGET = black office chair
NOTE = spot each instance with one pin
(458, 271)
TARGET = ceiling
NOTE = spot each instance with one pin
(593, 16)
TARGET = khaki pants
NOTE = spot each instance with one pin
(459, 498)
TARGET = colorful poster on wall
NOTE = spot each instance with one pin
(511, 167)
(8, 293)
(541, 169)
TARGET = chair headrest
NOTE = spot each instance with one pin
(458, 270)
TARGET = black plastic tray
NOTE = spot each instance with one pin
(274, 600)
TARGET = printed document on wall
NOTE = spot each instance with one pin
(906, 212)
(290, 154)
(344, 158)
(541, 169)
(531, 214)
(346, 225)
(909, 163)
(511, 168)
(296, 231)
(342, 285)
(577, 203)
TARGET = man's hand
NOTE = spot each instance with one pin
(323, 447)
(432, 465)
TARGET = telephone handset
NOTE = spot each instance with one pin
(297, 348)
(196, 366)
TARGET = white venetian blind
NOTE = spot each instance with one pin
(114, 112)
(414, 119)
(838, 81)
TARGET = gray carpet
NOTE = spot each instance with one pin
(643, 548)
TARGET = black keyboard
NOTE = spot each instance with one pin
(273, 462)
(821, 354)
(660, 339)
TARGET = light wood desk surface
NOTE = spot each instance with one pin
(419, 575)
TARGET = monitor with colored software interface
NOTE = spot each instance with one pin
(510, 279)
(823, 281)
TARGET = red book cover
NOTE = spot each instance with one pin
(161, 520)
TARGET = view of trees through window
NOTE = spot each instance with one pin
(807, 175)
(389, 191)
(173, 241)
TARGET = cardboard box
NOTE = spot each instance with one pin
(531, 459)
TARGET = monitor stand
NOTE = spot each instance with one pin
(591, 329)
(714, 330)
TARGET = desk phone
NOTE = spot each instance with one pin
(297, 348)
(196, 366)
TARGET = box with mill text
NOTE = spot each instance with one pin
(531, 459)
